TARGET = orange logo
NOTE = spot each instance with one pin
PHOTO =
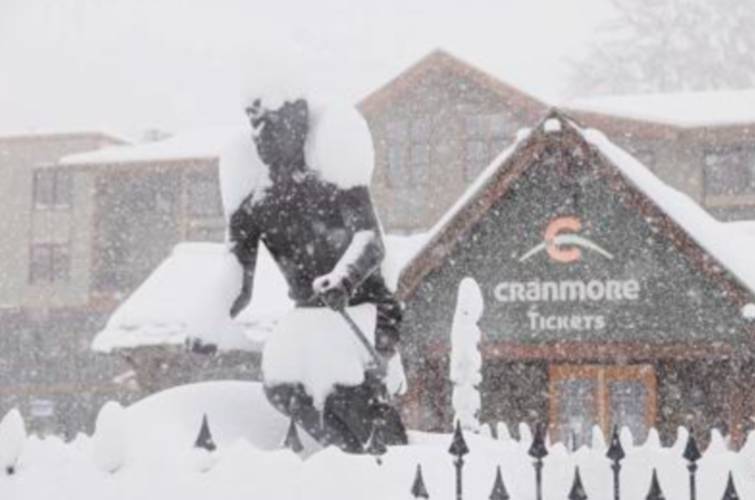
(563, 244)
(554, 229)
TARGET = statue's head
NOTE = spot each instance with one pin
(280, 135)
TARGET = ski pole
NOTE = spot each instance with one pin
(376, 358)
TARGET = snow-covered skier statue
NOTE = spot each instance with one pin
(326, 239)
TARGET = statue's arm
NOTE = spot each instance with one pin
(244, 236)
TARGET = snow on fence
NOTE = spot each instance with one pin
(474, 466)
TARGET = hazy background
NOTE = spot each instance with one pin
(127, 65)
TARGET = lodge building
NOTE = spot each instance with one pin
(609, 298)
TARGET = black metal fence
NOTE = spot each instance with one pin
(615, 454)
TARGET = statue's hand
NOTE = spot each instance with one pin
(241, 302)
(333, 290)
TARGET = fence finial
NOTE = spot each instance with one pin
(538, 450)
(691, 451)
(418, 487)
(499, 489)
(577, 490)
(459, 446)
(731, 491)
(655, 492)
(292, 441)
(204, 439)
(615, 451)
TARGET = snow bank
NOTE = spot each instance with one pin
(248, 463)
(315, 347)
(685, 109)
(189, 297)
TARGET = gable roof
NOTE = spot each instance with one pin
(442, 59)
(687, 225)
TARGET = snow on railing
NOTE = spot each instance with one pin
(471, 465)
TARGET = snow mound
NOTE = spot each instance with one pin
(12, 439)
(169, 421)
(748, 311)
(315, 347)
(189, 297)
(109, 441)
(340, 145)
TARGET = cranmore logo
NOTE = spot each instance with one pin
(562, 244)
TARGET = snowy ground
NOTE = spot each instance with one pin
(146, 451)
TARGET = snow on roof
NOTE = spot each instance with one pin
(729, 244)
(189, 295)
(686, 109)
(195, 143)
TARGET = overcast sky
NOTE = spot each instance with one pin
(129, 65)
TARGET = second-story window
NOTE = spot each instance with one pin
(52, 189)
(204, 195)
(49, 263)
(730, 172)
(486, 137)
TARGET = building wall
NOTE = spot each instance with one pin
(19, 156)
(433, 139)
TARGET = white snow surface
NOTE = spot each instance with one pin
(109, 442)
(748, 311)
(684, 109)
(198, 143)
(340, 145)
(160, 432)
(12, 438)
(189, 297)
(315, 346)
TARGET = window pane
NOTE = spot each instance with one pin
(628, 405)
(204, 195)
(44, 184)
(421, 154)
(61, 263)
(421, 129)
(40, 264)
(397, 130)
(62, 189)
(576, 411)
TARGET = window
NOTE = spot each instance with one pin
(49, 263)
(730, 172)
(204, 195)
(586, 395)
(486, 138)
(52, 189)
(475, 157)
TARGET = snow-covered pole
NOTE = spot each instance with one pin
(12, 440)
(466, 360)
(616, 454)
